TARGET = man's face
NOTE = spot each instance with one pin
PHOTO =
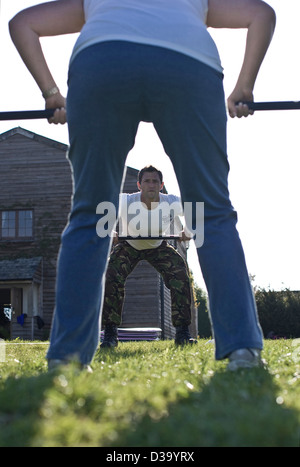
(150, 186)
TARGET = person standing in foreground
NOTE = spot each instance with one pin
(155, 62)
(152, 214)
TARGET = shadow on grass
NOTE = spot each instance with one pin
(232, 410)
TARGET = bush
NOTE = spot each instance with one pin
(279, 313)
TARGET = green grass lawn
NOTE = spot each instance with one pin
(150, 394)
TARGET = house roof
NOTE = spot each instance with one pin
(19, 269)
(33, 136)
(131, 171)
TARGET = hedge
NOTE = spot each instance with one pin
(278, 312)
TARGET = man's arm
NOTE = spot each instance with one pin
(47, 19)
(259, 18)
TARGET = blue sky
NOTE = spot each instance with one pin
(264, 150)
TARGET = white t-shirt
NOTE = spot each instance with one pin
(178, 25)
(136, 220)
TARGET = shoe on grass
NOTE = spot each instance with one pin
(183, 336)
(245, 358)
(110, 338)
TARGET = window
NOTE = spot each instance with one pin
(16, 225)
(25, 224)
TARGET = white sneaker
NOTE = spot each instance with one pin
(245, 358)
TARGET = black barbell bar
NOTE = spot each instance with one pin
(48, 113)
(162, 237)
(27, 114)
(276, 105)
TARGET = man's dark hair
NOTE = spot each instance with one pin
(149, 168)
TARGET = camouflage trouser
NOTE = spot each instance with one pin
(166, 261)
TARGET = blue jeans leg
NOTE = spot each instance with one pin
(190, 118)
(103, 121)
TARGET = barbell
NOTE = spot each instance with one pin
(48, 113)
(158, 237)
(27, 114)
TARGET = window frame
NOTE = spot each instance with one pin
(17, 227)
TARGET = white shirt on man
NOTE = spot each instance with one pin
(136, 220)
